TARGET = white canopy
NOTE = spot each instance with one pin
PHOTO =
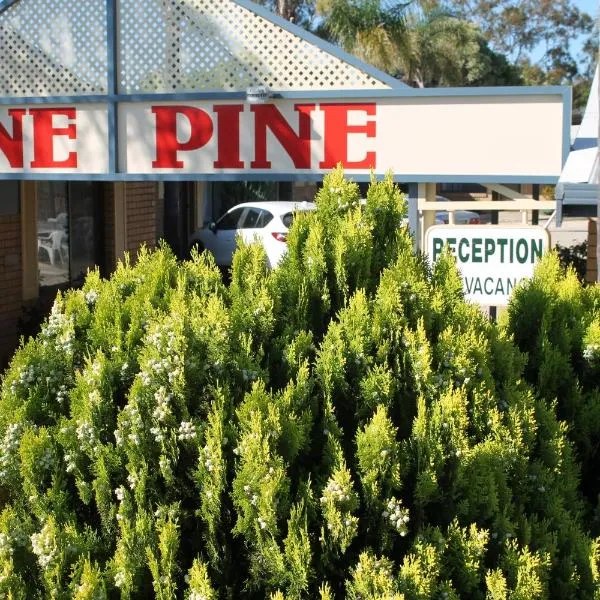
(578, 183)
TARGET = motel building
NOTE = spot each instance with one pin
(123, 122)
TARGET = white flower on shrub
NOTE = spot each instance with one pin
(70, 462)
(44, 546)
(338, 501)
(120, 579)
(335, 491)
(87, 437)
(10, 448)
(46, 460)
(165, 466)
(90, 297)
(132, 479)
(162, 410)
(591, 352)
(187, 430)
(397, 516)
(6, 548)
(25, 378)
(157, 434)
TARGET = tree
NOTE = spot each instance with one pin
(368, 29)
(516, 27)
(423, 45)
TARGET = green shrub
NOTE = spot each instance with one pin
(344, 426)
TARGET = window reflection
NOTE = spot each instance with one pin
(68, 231)
(53, 233)
(82, 234)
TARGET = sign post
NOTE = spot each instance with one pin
(491, 259)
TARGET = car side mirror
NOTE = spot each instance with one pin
(212, 226)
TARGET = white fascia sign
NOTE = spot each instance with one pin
(514, 135)
(491, 259)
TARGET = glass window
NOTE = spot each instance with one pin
(250, 218)
(255, 218)
(69, 228)
(83, 237)
(287, 219)
(264, 219)
(230, 220)
(53, 233)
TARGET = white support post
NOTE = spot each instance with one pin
(426, 193)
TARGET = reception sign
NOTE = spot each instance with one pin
(416, 136)
(491, 259)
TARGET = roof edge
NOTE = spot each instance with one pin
(313, 39)
(4, 4)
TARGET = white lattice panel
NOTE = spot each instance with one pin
(53, 47)
(202, 45)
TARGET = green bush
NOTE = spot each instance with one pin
(344, 426)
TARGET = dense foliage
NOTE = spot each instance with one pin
(344, 426)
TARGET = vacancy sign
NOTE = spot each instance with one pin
(417, 136)
(491, 259)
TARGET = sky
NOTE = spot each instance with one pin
(591, 8)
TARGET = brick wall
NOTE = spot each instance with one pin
(11, 284)
(141, 201)
(591, 273)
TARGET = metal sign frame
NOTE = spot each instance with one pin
(396, 89)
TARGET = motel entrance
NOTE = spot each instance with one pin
(133, 121)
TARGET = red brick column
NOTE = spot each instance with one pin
(141, 201)
(11, 284)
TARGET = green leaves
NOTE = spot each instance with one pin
(342, 426)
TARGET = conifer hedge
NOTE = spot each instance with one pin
(344, 426)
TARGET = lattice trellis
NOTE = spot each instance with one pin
(206, 45)
(53, 47)
(59, 48)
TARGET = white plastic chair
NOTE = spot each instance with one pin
(55, 243)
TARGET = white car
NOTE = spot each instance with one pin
(268, 222)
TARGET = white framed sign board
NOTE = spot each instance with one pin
(491, 259)
(418, 138)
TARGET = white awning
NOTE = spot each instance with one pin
(578, 183)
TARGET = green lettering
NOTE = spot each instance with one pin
(463, 257)
(502, 243)
(476, 250)
(536, 249)
(451, 244)
(522, 251)
(438, 245)
(490, 248)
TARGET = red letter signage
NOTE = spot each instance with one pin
(228, 136)
(12, 147)
(44, 133)
(336, 135)
(167, 144)
(297, 146)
